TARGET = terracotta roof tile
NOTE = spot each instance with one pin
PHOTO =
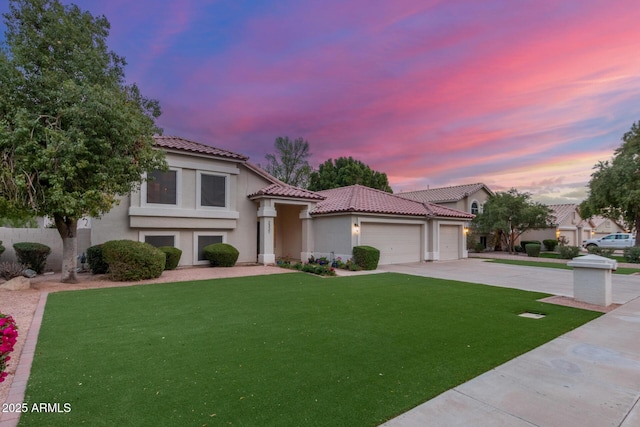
(357, 198)
(284, 190)
(444, 194)
(181, 144)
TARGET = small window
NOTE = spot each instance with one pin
(159, 241)
(206, 240)
(213, 190)
(474, 208)
(162, 187)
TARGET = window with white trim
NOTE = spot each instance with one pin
(160, 238)
(474, 208)
(200, 240)
(162, 187)
(213, 190)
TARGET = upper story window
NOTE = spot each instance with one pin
(162, 187)
(475, 208)
(213, 190)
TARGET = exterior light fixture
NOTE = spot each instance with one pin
(356, 228)
(557, 233)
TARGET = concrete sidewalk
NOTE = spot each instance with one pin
(587, 377)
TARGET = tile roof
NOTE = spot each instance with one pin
(444, 194)
(357, 198)
(562, 211)
(284, 190)
(181, 144)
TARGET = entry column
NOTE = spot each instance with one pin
(266, 214)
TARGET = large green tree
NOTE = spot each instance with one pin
(74, 135)
(344, 171)
(508, 214)
(614, 189)
(289, 162)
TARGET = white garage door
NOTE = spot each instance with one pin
(449, 242)
(397, 243)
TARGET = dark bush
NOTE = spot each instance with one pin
(33, 255)
(550, 244)
(632, 255)
(366, 257)
(568, 252)
(319, 269)
(96, 261)
(173, 257)
(2, 248)
(605, 252)
(524, 243)
(221, 255)
(533, 249)
(129, 260)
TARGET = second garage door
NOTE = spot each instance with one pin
(449, 242)
(398, 243)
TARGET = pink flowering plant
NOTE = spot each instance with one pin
(8, 335)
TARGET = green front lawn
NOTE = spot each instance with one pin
(620, 270)
(555, 255)
(282, 350)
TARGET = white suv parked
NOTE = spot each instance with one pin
(615, 241)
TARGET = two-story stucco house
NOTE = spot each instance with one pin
(213, 195)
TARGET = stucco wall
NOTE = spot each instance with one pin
(237, 224)
(333, 234)
(46, 236)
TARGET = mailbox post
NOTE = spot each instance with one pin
(592, 279)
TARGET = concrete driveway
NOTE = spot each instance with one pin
(587, 377)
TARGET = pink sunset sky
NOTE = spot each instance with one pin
(524, 94)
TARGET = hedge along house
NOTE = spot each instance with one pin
(210, 195)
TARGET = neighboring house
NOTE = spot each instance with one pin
(467, 198)
(567, 224)
(602, 226)
(211, 195)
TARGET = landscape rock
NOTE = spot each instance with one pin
(29, 273)
(16, 284)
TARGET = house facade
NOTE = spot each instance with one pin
(467, 198)
(568, 225)
(210, 195)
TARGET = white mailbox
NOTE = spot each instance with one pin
(592, 279)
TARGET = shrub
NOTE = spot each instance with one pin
(173, 257)
(533, 249)
(10, 270)
(550, 244)
(605, 252)
(479, 247)
(33, 255)
(569, 252)
(96, 261)
(524, 243)
(221, 255)
(2, 248)
(319, 269)
(632, 254)
(366, 257)
(129, 260)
